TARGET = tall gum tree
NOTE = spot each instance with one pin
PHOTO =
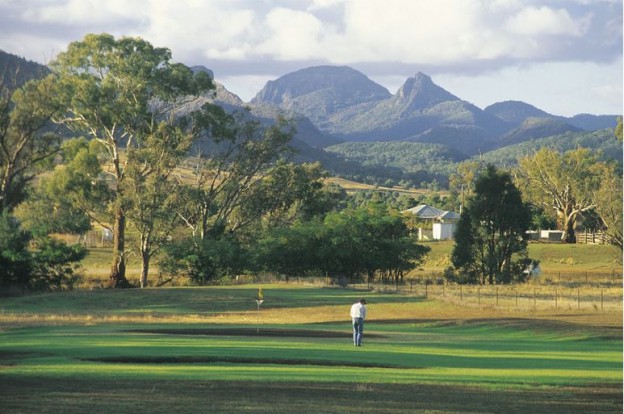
(228, 173)
(562, 182)
(25, 142)
(118, 91)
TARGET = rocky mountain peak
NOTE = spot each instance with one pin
(337, 84)
(420, 91)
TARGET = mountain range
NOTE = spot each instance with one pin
(347, 105)
(334, 105)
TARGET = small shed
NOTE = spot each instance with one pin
(443, 231)
(551, 235)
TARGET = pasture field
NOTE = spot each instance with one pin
(210, 349)
(559, 262)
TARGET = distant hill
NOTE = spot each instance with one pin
(15, 70)
(593, 122)
(602, 142)
(536, 128)
(515, 112)
(408, 156)
(438, 161)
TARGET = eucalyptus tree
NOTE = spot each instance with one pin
(119, 92)
(608, 198)
(564, 183)
(26, 142)
(231, 162)
(152, 192)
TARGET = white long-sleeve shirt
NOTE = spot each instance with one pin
(358, 310)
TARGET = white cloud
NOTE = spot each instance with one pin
(260, 38)
(324, 4)
(291, 34)
(81, 12)
(200, 27)
(534, 21)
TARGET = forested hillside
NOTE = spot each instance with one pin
(15, 70)
(439, 161)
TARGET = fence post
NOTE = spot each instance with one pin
(516, 298)
(601, 299)
(479, 297)
(578, 298)
(496, 295)
(534, 300)
(556, 301)
(461, 293)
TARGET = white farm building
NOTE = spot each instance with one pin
(443, 223)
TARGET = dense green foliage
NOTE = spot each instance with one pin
(26, 143)
(416, 161)
(353, 244)
(30, 260)
(204, 261)
(491, 240)
(50, 265)
(602, 143)
(15, 259)
(565, 183)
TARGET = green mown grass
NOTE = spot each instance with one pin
(290, 360)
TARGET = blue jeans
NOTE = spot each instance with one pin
(358, 330)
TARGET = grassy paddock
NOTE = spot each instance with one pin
(559, 262)
(210, 349)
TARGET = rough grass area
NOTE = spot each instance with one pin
(206, 396)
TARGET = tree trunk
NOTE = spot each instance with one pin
(568, 228)
(118, 270)
(144, 268)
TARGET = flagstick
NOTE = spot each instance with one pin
(259, 300)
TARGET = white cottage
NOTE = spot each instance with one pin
(443, 222)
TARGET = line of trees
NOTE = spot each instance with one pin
(213, 194)
(206, 191)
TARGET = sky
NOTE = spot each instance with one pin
(562, 56)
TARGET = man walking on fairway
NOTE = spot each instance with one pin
(358, 314)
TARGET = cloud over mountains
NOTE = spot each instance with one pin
(257, 40)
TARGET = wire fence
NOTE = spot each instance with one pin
(536, 296)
